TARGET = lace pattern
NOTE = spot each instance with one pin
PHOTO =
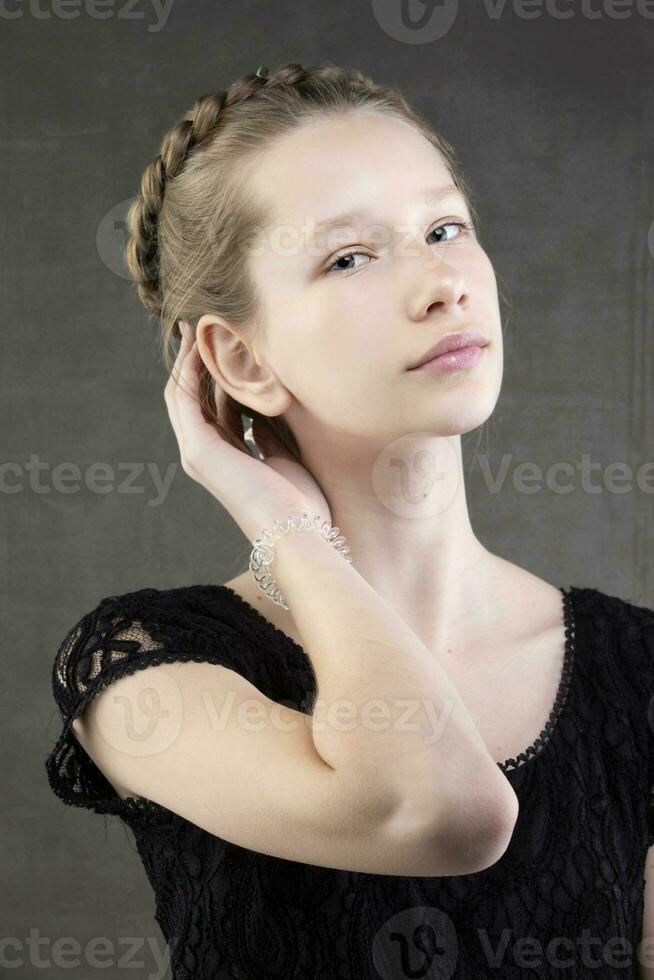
(575, 861)
(120, 636)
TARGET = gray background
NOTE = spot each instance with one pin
(552, 121)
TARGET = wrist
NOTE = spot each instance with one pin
(293, 508)
(265, 546)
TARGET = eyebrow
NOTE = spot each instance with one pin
(353, 216)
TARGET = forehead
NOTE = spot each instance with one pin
(354, 162)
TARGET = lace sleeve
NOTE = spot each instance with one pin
(105, 644)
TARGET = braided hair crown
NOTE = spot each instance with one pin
(193, 131)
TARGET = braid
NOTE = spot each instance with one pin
(194, 130)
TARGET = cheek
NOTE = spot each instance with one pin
(339, 371)
(483, 271)
(340, 336)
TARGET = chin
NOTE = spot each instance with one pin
(466, 412)
(459, 427)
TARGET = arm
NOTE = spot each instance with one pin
(249, 770)
(245, 769)
(363, 652)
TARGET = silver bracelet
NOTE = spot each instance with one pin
(262, 553)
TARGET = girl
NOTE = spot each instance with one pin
(418, 759)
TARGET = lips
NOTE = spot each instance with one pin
(452, 342)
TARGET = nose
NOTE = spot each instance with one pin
(439, 284)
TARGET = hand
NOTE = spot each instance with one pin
(255, 492)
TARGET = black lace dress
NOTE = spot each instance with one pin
(565, 899)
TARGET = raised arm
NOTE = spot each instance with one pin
(403, 725)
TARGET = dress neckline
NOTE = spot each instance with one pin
(533, 751)
(536, 748)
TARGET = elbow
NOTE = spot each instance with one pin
(489, 838)
(458, 839)
(480, 831)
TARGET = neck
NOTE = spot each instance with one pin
(405, 518)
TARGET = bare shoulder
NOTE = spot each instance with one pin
(532, 603)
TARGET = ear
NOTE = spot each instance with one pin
(231, 360)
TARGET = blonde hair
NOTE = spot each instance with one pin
(190, 224)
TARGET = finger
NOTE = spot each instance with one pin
(185, 344)
(187, 413)
(172, 390)
(188, 376)
(169, 387)
(188, 336)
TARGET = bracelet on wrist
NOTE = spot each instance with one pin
(262, 553)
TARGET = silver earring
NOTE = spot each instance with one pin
(248, 437)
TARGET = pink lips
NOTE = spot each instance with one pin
(452, 352)
(452, 342)
(453, 361)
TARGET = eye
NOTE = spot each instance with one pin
(460, 225)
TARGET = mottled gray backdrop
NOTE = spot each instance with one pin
(550, 109)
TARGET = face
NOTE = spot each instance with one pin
(348, 309)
